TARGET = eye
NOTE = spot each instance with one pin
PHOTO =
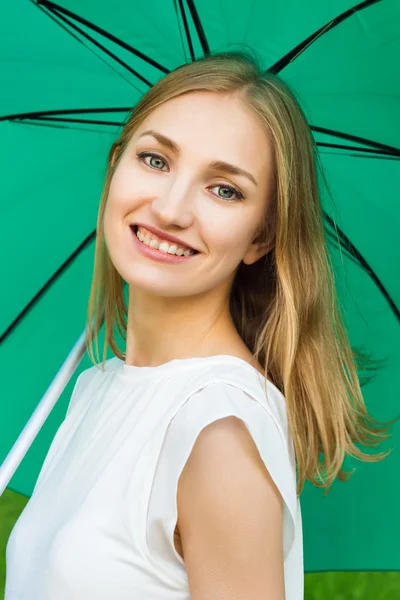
(239, 196)
(230, 188)
(142, 155)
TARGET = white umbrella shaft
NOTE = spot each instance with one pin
(41, 412)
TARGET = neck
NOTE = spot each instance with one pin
(161, 329)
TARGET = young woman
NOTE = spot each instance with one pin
(178, 469)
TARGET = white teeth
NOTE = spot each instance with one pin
(163, 246)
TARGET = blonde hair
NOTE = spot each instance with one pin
(284, 306)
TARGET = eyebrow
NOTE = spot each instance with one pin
(217, 165)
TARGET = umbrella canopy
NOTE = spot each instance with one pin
(70, 73)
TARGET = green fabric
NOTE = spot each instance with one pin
(52, 173)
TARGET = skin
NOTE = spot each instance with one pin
(229, 527)
(182, 310)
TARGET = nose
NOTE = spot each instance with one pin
(173, 205)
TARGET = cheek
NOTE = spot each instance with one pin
(229, 240)
(122, 188)
(128, 184)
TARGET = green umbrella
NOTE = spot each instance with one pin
(70, 74)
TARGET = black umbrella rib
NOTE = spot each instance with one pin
(84, 121)
(359, 140)
(359, 260)
(180, 30)
(361, 151)
(60, 9)
(67, 111)
(186, 26)
(199, 27)
(100, 46)
(300, 48)
(45, 288)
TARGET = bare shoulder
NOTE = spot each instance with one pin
(230, 517)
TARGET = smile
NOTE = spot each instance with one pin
(160, 250)
(151, 240)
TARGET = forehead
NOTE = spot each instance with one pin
(212, 125)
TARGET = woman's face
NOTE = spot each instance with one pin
(181, 194)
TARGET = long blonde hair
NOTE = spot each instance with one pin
(284, 306)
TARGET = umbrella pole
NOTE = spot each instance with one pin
(42, 411)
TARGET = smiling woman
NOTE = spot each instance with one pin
(179, 466)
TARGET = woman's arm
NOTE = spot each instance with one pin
(230, 518)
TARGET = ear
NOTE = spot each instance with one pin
(258, 248)
(257, 251)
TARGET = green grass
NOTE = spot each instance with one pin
(11, 506)
(352, 586)
(318, 586)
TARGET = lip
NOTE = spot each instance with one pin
(157, 255)
(164, 236)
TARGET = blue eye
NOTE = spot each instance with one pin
(239, 196)
(143, 155)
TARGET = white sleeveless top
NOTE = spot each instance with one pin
(100, 522)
